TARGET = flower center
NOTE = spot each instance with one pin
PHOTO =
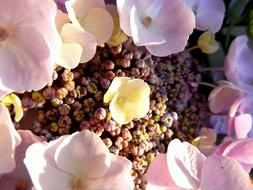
(121, 101)
(4, 34)
(78, 184)
(146, 21)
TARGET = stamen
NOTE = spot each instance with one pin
(4, 34)
(78, 184)
(146, 21)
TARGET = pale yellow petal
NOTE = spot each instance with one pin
(72, 33)
(114, 87)
(70, 55)
(207, 42)
(14, 100)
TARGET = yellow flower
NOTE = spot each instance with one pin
(118, 37)
(13, 99)
(207, 42)
(129, 99)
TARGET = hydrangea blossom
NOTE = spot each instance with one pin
(77, 161)
(129, 99)
(209, 14)
(9, 140)
(184, 167)
(154, 24)
(29, 44)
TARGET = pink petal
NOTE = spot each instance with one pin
(176, 36)
(26, 59)
(74, 34)
(42, 16)
(242, 125)
(119, 173)
(43, 174)
(9, 140)
(158, 175)
(99, 23)
(221, 172)
(184, 163)
(241, 150)
(83, 154)
(223, 96)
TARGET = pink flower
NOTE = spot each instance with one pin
(150, 24)
(19, 177)
(29, 44)
(77, 161)
(223, 96)
(209, 14)
(184, 167)
(240, 150)
(9, 140)
(239, 63)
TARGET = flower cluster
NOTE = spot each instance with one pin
(105, 90)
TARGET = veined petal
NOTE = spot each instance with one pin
(185, 164)
(158, 176)
(84, 155)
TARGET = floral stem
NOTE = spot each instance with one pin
(192, 48)
(212, 69)
(207, 84)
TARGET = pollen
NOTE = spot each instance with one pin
(146, 21)
(121, 101)
(78, 184)
(4, 34)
